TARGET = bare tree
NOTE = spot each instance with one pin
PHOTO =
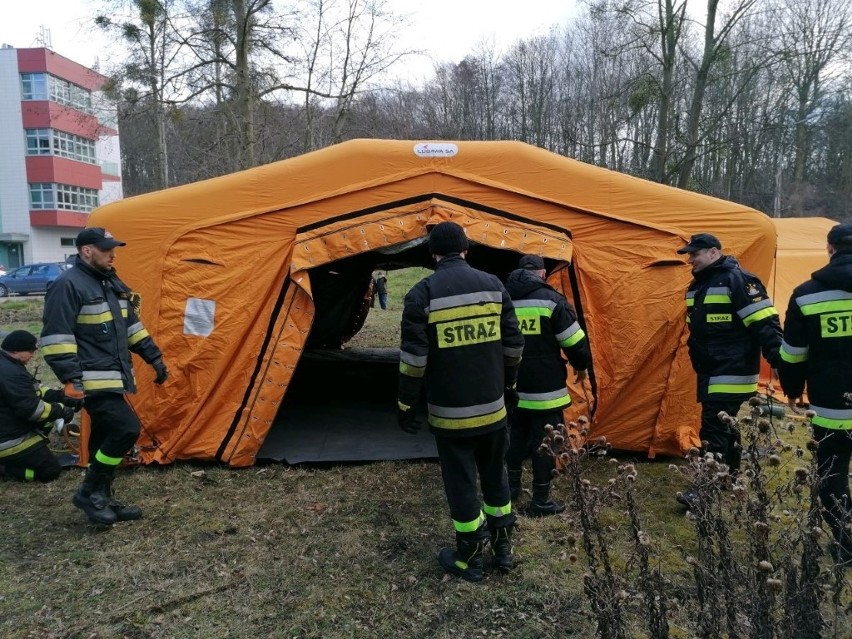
(150, 74)
(812, 36)
(715, 42)
(530, 82)
(347, 45)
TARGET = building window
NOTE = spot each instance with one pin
(43, 86)
(111, 168)
(64, 197)
(34, 86)
(71, 146)
(75, 198)
(66, 241)
(66, 145)
(42, 196)
(38, 141)
(64, 92)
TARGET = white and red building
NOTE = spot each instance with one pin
(59, 153)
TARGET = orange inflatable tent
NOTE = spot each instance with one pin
(231, 272)
(801, 251)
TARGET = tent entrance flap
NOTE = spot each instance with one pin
(341, 406)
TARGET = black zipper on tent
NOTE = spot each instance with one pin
(581, 319)
(238, 415)
(424, 198)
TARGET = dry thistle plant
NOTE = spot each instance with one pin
(757, 564)
(608, 591)
(604, 588)
(769, 583)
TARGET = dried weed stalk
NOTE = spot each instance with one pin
(603, 587)
(758, 567)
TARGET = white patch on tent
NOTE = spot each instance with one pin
(435, 149)
(198, 317)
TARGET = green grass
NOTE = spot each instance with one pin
(381, 328)
(336, 551)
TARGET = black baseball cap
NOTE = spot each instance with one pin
(98, 236)
(531, 263)
(700, 241)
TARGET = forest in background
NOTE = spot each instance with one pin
(747, 100)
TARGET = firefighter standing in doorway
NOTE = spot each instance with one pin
(550, 328)
(460, 336)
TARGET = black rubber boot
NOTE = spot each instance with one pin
(122, 512)
(515, 484)
(91, 499)
(501, 546)
(542, 505)
(466, 560)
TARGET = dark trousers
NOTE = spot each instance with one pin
(115, 427)
(525, 437)
(383, 300)
(835, 448)
(36, 463)
(721, 439)
(465, 458)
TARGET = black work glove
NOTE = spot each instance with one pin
(72, 395)
(68, 414)
(407, 420)
(510, 397)
(53, 395)
(161, 370)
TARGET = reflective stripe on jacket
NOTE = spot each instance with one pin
(22, 407)
(731, 320)
(90, 329)
(550, 327)
(459, 332)
(817, 347)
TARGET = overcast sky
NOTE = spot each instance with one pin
(446, 29)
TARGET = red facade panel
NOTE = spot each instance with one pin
(63, 171)
(68, 219)
(44, 60)
(41, 114)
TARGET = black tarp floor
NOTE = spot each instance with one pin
(342, 433)
(340, 407)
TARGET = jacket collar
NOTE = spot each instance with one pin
(93, 272)
(724, 263)
(450, 261)
(12, 359)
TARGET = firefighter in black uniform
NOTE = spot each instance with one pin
(460, 335)
(90, 329)
(731, 320)
(550, 327)
(27, 413)
(817, 353)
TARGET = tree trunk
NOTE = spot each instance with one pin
(669, 34)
